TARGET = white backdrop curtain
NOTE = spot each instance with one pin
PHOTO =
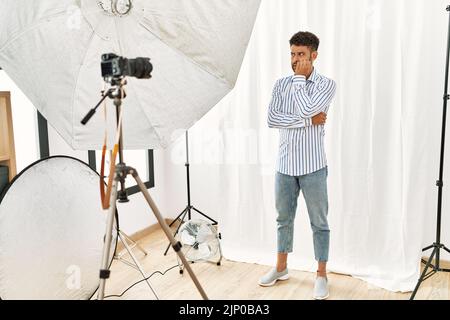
(382, 137)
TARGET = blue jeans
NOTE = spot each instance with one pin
(314, 188)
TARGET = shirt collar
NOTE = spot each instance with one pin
(314, 76)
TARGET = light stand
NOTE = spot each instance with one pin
(120, 174)
(438, 246)
(132, 244)
(187, 211)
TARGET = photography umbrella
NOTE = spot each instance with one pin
(52, 50)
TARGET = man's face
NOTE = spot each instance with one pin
(301, 52)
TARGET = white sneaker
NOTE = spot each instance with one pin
(272, 277)
(321, 288)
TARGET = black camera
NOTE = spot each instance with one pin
(114, 67)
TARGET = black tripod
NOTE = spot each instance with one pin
(189, 207)
(438, 246)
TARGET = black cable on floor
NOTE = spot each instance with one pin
(136, 283)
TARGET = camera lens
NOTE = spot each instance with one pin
(140, 68)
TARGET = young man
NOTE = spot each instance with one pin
(298, 108)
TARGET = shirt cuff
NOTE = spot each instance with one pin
(299, 80)
(308, 122)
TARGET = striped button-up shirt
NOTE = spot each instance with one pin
(295, 101)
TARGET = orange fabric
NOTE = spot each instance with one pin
(112, 169)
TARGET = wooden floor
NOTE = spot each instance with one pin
(238, 281)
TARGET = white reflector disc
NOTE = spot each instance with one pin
(51, 232)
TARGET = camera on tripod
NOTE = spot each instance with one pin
(115, 67)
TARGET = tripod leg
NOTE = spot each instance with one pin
(214, 221)
(167, 231)
(178, 218)
(136, 262)
(220, 251)
(446, 249)
(422, 277)
(104, 271)
(178, 229)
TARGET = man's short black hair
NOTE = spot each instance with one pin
(307, 39)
